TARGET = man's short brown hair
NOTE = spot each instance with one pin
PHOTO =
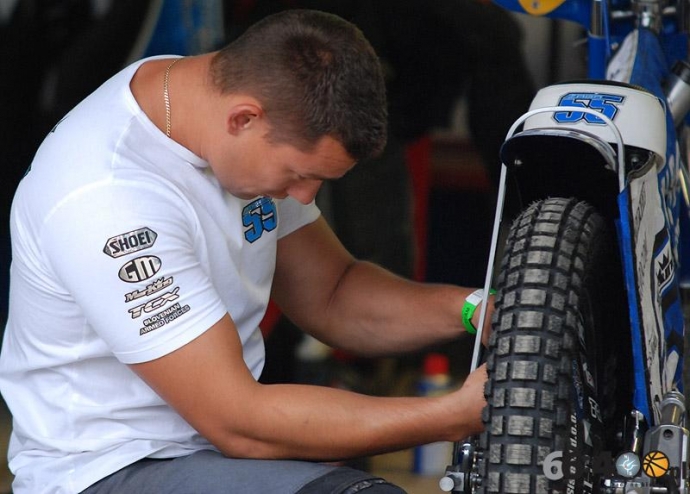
(315, 74)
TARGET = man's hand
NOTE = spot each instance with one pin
(472, 399)
(486, 330)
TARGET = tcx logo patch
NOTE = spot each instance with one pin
(155, 304)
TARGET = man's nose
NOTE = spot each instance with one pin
(305, 190)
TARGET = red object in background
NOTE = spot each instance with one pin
(436, 364)
(270, 319)
(418, 155)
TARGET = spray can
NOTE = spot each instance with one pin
(432, 459)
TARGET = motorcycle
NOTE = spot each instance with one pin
(585, 359)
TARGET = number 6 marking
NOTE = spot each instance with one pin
(553, 465)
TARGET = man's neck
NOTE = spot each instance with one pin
(188, 97)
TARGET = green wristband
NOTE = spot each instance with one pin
(471, 303)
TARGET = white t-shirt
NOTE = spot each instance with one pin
(125, 248)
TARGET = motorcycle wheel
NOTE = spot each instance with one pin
(549, 358)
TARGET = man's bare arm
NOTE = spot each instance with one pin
(208, 383)
(359, 306)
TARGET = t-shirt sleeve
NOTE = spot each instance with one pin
(294, 215)
(129, 255)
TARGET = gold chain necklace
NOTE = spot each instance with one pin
(166, 96)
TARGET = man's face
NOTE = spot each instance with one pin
(257, 167)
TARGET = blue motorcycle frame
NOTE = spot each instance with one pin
(640, 44)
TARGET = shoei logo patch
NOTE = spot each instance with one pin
(129, 242)
(606, 104)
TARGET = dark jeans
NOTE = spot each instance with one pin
(210, 472)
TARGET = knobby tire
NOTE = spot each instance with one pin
(550, 358)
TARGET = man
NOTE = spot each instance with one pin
(156, 220)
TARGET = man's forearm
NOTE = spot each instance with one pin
(373, 312)
(209, 385)
(318, 423)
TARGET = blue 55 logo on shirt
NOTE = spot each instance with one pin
(259, 216)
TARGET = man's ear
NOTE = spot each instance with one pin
(243, 116)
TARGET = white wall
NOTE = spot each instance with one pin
(570, 60)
